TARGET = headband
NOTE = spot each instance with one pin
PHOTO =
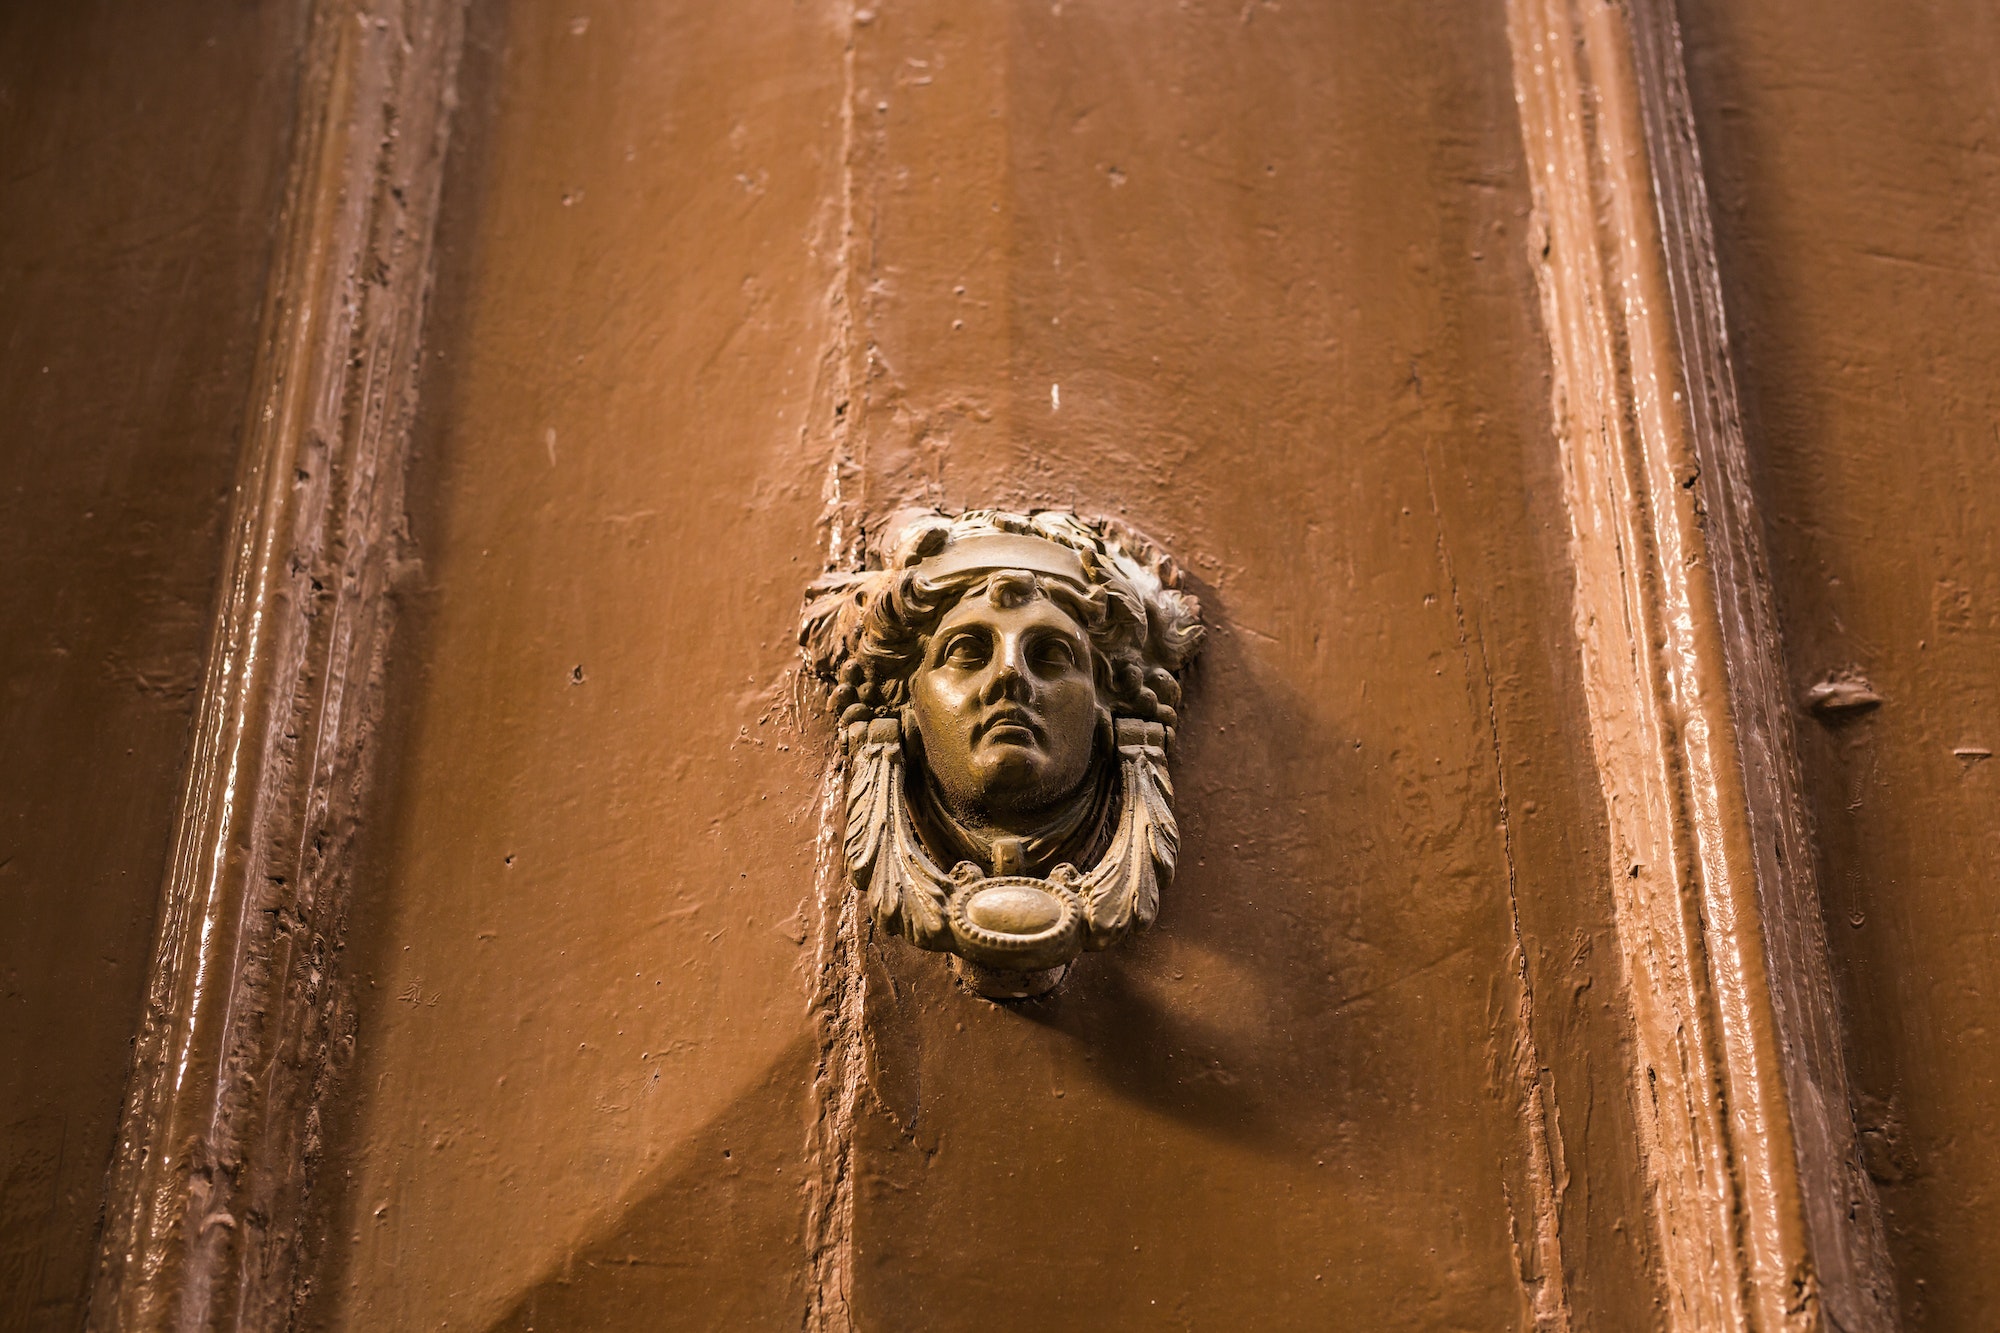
(1005, 550)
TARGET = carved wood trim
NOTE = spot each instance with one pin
(1762, 1215)
(245, 1011)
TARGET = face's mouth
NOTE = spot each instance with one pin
(1008, 725)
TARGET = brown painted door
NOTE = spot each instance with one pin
(1582, 795)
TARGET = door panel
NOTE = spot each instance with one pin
(588, 1042)
(1095, 273)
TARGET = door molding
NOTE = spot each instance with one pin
(1762, 1213)
(245, 1014)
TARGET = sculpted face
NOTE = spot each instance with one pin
(1006, 704)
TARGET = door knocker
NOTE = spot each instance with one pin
(1007, 687)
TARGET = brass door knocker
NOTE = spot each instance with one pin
(1008, 686)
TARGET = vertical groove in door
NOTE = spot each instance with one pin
(245, 1010)
(839, 989)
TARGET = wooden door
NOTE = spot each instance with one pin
(1470, 361)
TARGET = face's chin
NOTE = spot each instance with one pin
(1009, 762)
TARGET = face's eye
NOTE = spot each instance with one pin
(964, 650)
(1054, 654)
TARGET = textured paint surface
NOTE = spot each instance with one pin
(144, 153)
(1857, 198)
(717, 291)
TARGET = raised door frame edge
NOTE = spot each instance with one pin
(1762, 1215)
(245, 1014)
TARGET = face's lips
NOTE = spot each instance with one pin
(1018, 718)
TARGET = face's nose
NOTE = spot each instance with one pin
(1007, 674)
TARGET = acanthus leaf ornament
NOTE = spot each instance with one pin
(907, 893)
(1123, 893)
(1008, 686)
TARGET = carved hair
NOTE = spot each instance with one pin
(864, 633)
